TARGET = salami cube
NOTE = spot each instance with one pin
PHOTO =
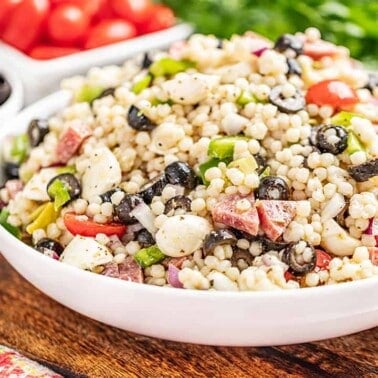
(71, 139)
(275, 216)
(373, 253)
(128, 270)
(227, 212)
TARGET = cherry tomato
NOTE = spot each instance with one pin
(331, 92)
(89, 7)
(77, 226)
(135, 11)
(322, 259)
(43, 52)
(6, 9)
(109, 31)
(162, 18)
(320, 49)
(67, 24)
(25, 25)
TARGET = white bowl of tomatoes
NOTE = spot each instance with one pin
(46, 40)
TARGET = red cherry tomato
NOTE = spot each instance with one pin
(109, 31)
(77, 226)
(320, 49)
(67, 24)
(162, 18)
(43, 52)
(89, 7)
(331, 92)
(322, 259)
(25, 25)
(6, 9)
(135, 11)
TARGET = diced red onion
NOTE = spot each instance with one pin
(173, 276)
(145, 216)
(372, 229)
(259, 52)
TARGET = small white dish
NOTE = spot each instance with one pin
(203, 317)
(15, 101)
(41, 77)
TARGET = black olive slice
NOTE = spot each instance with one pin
(45, 245)
(293, 67)
(218, 237)
(107, 92)
(180, 173)
(107, 196)
(261, 162)
(153, 188)
(177, 202)
(294, 256)
(11, 170)
(269, 245)
(145, 239)
(69, 181)
(37, 130)
(273, 188)
(241, 254)
(365, 171)
(289, 42)
(5, 89)
(287, 105)
(125, 207)
(138, 121)
(146, 61)
(332, 139)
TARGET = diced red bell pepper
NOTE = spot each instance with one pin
(322, 259)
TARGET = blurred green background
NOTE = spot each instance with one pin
(353, 24)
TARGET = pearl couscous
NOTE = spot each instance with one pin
(236, 164)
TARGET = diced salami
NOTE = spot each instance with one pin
(71, 140)
(275, 216)
(128, 270)
(320, 49)
(373, 253)
(111, 270)
(13, 187)
(226, 212)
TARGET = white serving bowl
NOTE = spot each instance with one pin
(15, 101)
(204, 317)
(41, 77)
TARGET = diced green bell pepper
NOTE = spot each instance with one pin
(88, 93)
(142, 84)
(223, 147)
(59, 192)
(169, 66)
(15, 231)
(47, 215)
(246, 165)
(20, 148)
(343, 118)
(149, 256)
(265, 173)
(354, 144)
(66, 169)
(245, 98)
(213, 162)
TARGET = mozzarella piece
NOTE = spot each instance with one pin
(333, 207)
(102, 174)
(336, 240)
(181, 235)
(36, 187)
(85, 253)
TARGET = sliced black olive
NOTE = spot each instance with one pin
(287, 105)
(37, 130)
(145, 239)
(364, 171)
(218, 237)
(179, 173)
(372, 82)
(138, 121)
(69, 181)
(269, 245)
(46, 245)
(241, 254)
(177, 202)
(124, 208)
(11, 170)
(106, 92)
(273, 188)
(107, 196)
(261, 162)
(153, 188)
(293, 67)
(220, 44)
(332, 139)
(301, 257)
(289, 41)
(341, 216)
(5, 89)
(146, 62)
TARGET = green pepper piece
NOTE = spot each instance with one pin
(59, 192)
(88, 93)
(343, 118)
(148, 256)
(142, 84)
(156, 102)
(265, 173)
(245, 98)
(169, 66)
(213, 162)
(20, 148)
(354, 144)
(47, 215)
(15, 231)
(223, 147)
(66, 169)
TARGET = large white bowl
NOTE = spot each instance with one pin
(208, 317)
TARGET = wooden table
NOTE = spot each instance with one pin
(76, 346)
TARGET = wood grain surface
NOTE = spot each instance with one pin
(76, 346)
